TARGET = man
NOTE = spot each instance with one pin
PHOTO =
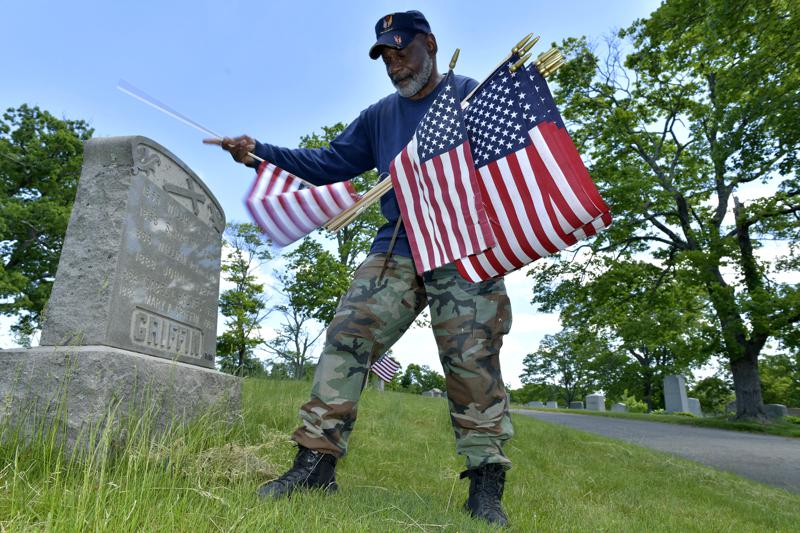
(468, 320)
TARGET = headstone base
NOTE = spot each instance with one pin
(80, 385)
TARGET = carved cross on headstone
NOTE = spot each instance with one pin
(189, 193)
(213, 217)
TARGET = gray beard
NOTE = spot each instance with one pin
(410, 87)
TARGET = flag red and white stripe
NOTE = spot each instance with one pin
(538, 194)
(540, 200)
(385, 368)
(440, 236)
(286, 211)
(437, 188)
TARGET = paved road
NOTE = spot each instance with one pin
(766, 458)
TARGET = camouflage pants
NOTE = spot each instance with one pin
(468, 320)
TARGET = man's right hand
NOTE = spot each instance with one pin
(240, 148)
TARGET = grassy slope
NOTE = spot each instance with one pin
(775, 427)
(401, 475)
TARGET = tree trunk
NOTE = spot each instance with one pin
(240, 366)
(648, 389)
(746, 383)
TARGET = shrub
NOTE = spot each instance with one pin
(792, 419)
(632, 404)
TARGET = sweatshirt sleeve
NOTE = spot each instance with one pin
(349, 155)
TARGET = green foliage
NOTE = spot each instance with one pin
(571, 362)
(780, 379)
(40, 163)
(314, 281)
(647, 321)
(714, 394)
(539, 392)
(632, 404)
(792, 419)
(674, 413)
(243, 305)
(704, 105)
(417, 379)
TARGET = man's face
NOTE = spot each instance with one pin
(409, 68)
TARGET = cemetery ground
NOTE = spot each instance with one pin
(401, 474)
(782, 428)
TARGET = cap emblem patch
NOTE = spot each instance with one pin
(399, 40)
(387, 22)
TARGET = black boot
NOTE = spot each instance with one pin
(311, 470)
(485, 492)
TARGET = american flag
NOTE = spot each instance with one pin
(286, 210)
(537, 192)
(385, 368)
(437, 189)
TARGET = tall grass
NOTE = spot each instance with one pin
(401, 474)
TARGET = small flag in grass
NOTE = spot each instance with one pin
(385, 368)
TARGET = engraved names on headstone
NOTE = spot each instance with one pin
(157, 256)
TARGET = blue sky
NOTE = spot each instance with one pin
(275, 70)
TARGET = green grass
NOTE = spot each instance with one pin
(401, 475)
(783, 428)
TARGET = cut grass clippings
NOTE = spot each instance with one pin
(400, 475)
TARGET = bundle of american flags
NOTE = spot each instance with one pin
(490, 187)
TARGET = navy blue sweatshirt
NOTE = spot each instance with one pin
(371, 141)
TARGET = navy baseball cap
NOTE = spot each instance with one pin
(398, 30)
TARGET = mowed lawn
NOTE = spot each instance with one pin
(401, 475)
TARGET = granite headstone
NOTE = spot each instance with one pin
(140, 264)
(675, 397)
(595, 402)
(619, 408)
(132, 317)
(694, 407)
(775, 410)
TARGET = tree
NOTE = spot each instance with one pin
(420, 378)
(565, 360)
(646, 315)
(714, 394)
(780, 379)
(40, 164)
(244, 305)
(316, 279)
(312, 284)
(703, 106)
(540, 392)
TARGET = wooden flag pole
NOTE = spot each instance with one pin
(547, 63)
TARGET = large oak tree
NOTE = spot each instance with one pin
(684, 135)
